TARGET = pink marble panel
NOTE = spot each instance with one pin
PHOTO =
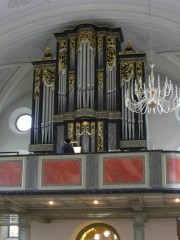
(124, 170)
(173, 169)
(11, 173)
(61, 172)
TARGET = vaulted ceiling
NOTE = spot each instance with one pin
(28, 26)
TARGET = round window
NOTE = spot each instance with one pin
(23, 123)
(98, 231)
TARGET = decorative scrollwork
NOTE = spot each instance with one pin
(78, 128)
(62, 55)
(139, 69)
(100, 139)
(71, 131)
(127, 72)
(71, 80)
(111, 52)
(72, 44)
(87, 129)
(37, 81)
(49, 76)
(100, 79)
(87, 35)
(93, 128)
(100, 42)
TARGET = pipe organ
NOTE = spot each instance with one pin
(80, 94)
(132, 65)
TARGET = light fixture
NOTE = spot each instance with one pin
(142, 98)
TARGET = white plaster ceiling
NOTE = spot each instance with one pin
(151, 205)
(27, 26)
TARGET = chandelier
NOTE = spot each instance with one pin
(142, 98)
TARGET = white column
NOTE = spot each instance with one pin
(24, 227)
(139, 226)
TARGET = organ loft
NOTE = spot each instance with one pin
(80, 94)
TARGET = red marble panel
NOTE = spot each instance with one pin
(61, 172)
(124, 170)
(10, 173)
(173, 169)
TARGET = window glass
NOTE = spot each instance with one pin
(98, 232)
(23, 123)
(13, 231)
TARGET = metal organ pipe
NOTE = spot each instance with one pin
(84, 87)
(88, 76)
(52, 114)
(43, 115)
(36, 117)
(85, 81)
(48, 129)
(92, 77)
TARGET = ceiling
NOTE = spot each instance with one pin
(153, 205)
(28, 26)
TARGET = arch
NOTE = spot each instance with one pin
(96, 229)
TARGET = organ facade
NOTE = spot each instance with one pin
(80, 94)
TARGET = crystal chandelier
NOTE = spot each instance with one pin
(142, 98)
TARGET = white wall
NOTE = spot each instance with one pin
(163, 131)
(69, 229)
(10, 140)
(4, 232)
(161, 228)
(155, 229)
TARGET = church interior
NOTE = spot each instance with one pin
(106, 76)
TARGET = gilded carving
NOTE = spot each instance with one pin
(62, 55)
(37, 84)
(47, 53)
(71, 80)
(100, 79)
(139, 69)
(49, 76)
(87, 35)
(71, 131)
(85, 126)
(127, 71)
(129, 46)
(78, 129)
(129, 49)
(111, 51)
(93, 128)
(139, 74)
(100, 43)
(72, 44)
(100, 139)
